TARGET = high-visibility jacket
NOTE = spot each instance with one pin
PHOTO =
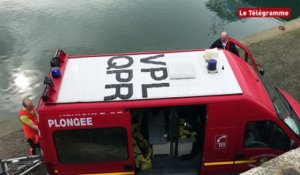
(28, 131)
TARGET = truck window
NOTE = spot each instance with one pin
(91, 145)
(257, 134)
(280, 140)
(261, 134)
(283, 109)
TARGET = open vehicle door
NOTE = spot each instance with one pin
(94, 140)
(247, 54)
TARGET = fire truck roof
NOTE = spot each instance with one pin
(147, 76)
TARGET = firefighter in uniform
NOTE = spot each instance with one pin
(28, 118)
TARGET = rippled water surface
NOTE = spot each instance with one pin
(31, 31)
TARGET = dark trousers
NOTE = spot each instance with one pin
(33, 146)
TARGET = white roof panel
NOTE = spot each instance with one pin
(145, 76)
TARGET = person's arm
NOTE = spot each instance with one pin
(234, 49)
(34, 126)
(214, 44)
(24, 119)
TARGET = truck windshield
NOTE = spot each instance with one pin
(283, 109)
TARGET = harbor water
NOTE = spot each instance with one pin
(31, 31)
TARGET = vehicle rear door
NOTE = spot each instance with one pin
(97, 142)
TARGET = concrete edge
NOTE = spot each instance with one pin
(285, 164)
(272, 32)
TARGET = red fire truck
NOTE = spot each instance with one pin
(168, 112)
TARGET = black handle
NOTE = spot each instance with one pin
(240, 156)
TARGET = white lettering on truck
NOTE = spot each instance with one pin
(69, 122)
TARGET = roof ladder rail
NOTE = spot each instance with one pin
(48, 84)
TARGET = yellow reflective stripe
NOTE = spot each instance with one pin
(117, 173)
(218, 163)
(244, 161)
(229, 162)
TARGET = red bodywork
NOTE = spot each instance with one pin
(227, 117)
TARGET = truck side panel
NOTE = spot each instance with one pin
(221, 138)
